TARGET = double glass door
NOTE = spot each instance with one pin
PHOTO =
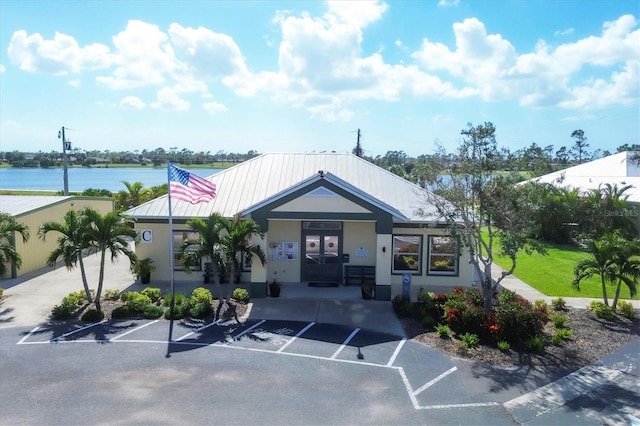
(323, 252)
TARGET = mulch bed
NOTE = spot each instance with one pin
(593, 339)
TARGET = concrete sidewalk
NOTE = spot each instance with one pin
(518, 286)
(30, 298)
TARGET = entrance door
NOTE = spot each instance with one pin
(323, 254)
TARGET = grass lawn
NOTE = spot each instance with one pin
(552, 274)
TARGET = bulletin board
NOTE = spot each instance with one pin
(284, 250)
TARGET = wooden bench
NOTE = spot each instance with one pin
(359, 274)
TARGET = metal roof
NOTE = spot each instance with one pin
(620, 169)
(248, 185)
(17, 205)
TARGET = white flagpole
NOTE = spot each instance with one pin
(171, 248)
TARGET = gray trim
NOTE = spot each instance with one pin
(258, 290)
(266, 211)
(383, 292)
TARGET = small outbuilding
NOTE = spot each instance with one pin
(322, 214)
(34, 210)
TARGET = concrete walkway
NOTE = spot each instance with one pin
(518, 286)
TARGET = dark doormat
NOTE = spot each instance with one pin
(323, 284)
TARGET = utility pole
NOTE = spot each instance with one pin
(358, 149)
(66, 146)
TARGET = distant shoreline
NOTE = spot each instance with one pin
(224, 165)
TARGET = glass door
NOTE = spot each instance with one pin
(322, 255)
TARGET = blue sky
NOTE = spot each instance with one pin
(304, 76)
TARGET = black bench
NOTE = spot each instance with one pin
(359, 274)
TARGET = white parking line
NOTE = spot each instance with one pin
(131, 331)
(198, 330)
(28, 335)
(434, 381)
(300, 333)
(445, 406)
(236, 337)
(55, 339)
(396, 352)
(345, 343)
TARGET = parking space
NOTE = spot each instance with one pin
(429, 377)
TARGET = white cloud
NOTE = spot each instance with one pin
(143, 57)
(2, 68)
(73, 83)
(60, 56)
(132, 102)
(167, 99)
(564, 32)
(448, 3)
(548, 76)
(214, 107)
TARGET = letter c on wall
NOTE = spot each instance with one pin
(146, 236)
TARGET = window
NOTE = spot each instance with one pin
(407, 252)
(178, 238)
(443, 256)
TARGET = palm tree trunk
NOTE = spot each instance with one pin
(615, 298)
(100, 279)
(83, 274)
(604, 291)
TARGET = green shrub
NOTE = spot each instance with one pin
(443, 330)
(76, 298)
(179, 300)
(112, 294)
(562, 334)
(201, 295)
(541, 305)
(428, 321)
(504, 346)
(153, 311)
(601, 310)
(92, 315)
(241, 295)
(63, 311)
(121, 312)
(519, 320)
(402, 306)
(177, 312)
(559, 304)
(469, 340)
(625, 309)
(1, 291)
(473, 296)
(200, 310)
(506, 296)
(152, 293)
(559, 320)
(137, 302)
(535, 343)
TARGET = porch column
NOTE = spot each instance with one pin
(384, 256)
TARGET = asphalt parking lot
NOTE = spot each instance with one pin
(315, 373)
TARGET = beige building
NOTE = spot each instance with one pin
(32, 211)
(320, 213)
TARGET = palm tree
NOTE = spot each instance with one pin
(628, 266)
(108, 233)
(71, 244)
(205, 245)
(600, 263)
(236, 243)
(9, 226)
(615, 260)
(135, 195)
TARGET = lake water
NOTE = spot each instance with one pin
(81, 178)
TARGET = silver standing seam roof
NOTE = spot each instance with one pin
(619, 169)
(17, 205)
(244, 187)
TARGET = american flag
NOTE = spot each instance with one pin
(189, 187)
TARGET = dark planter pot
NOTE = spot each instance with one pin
(367, 291)
(145, 278)
(274, 290)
